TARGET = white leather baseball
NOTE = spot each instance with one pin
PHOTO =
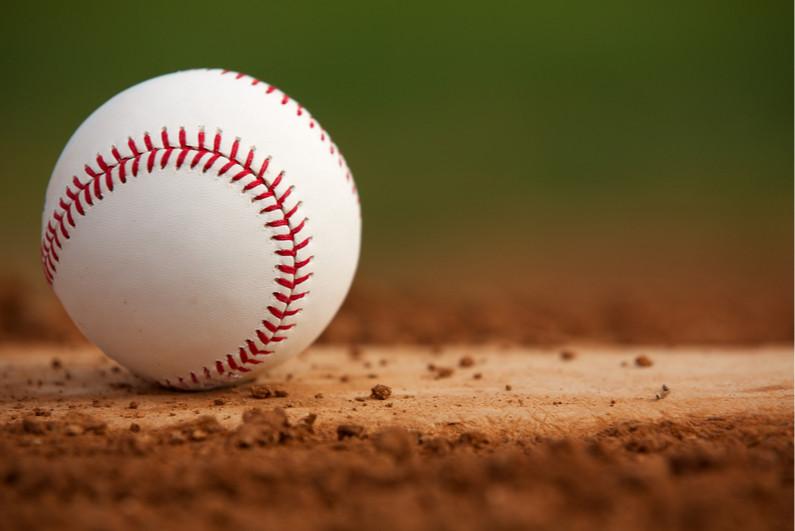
(201, 227)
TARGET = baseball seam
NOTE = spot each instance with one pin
(285, 99)
(141, 160)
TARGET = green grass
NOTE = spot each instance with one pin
(546, 124)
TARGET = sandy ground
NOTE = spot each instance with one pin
(548, 394)
(469, 439)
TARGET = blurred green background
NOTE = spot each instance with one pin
(516, 142)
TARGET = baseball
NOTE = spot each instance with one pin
(201, 227)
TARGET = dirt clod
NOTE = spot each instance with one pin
(307, 423)
(466, 361)
(261, 391)
(397, 442)
(73, 430)
(567, 355)
(349, 431)
(32, 425)
(474, 439)
(643, 361)
(381, 392)
(444, 372)
(198, 435)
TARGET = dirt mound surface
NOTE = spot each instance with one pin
(72, 472)
(378, 315)
(726, 317)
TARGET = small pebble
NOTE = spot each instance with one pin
(466, 361)
(261, 391)
(381, 392)
(567, 355)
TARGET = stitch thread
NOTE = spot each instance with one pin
(300, 110)
(92, 190)
(130, 166)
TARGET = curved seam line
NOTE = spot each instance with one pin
(312, 122)
(91, 190)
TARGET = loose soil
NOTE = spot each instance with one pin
(540, 440)
(374, 314)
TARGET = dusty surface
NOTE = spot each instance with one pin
(693, 312)
(549, 396)
(468, 438)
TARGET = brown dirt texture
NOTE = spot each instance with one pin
(405, 438)
(687, 313)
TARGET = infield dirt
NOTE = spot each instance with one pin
(469, 438)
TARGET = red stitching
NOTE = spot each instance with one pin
(92, 190)
(300, 110)
(51, 240)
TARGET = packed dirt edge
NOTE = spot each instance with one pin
(699, 473)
